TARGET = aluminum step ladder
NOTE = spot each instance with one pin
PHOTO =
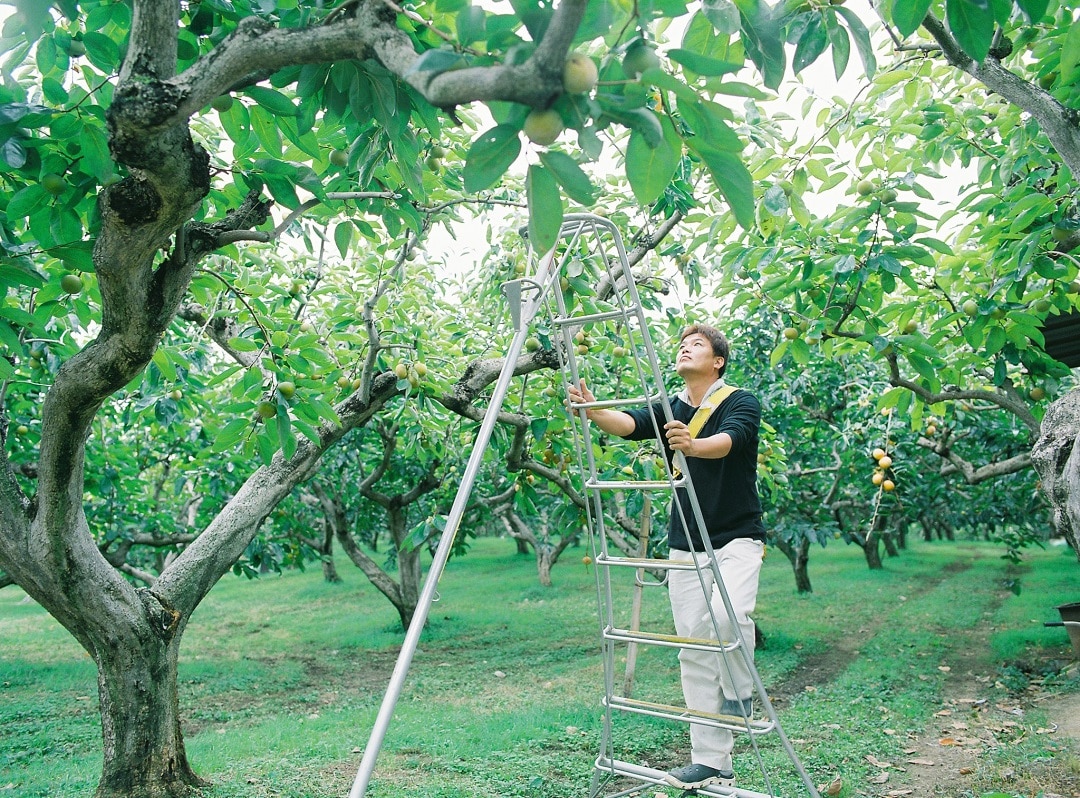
(590, 255)
(592, 247)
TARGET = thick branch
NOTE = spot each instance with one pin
(1058, 122)
(1008, 400)
(971, 474)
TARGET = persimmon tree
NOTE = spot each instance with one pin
(855, 253)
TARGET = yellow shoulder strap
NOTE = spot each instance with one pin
(707, 407)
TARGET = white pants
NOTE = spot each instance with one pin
(709, 677)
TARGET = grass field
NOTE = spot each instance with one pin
(281, 677)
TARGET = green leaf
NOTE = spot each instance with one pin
(490, 155)
(273, 101)
(227, 437)
(764, 40)
(971, 23)
(907, 15)
(650, 168)
(811, 44)
(343, 237)
(95, 151)
(101, 51)
(285, 434)
(731, 177)
(705, 118)
(643, 120)
(862, 40)
(27, 201)
(545, 208)
(702, 64)
(723, 14)
(778, 353)
(841, 45)
(533, 16)
(1070, 53)
(1034, 10)
(571, 177)
(470, 24)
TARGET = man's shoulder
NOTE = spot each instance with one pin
(743, 396)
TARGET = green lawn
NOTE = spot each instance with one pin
(281, 677)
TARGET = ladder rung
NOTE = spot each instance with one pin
(586, 318)
(602, 403)
(671, 712)
(648, 563)
(635, 484)
(654, 776)
(672, 641)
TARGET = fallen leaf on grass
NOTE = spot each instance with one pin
(947, 741)
(966, 771)
(898, 793)
(880, 778)
(943, 713)
(873, 760)
(944, 668)
(1047, 731)
(929, 762)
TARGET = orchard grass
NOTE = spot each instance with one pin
(281, 677)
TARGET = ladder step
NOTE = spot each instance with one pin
(649, 563)
(650, 775)
(634, 484)
(670, 712)
(604, 315)
(603, 403)
(671, 641)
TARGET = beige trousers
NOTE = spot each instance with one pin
(709, 677)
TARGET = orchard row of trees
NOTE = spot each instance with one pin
(215, 218)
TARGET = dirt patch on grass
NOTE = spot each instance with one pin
(965, 750)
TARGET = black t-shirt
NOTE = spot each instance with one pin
(726, 487)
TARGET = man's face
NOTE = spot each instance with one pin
(695, 357)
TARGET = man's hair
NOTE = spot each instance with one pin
(720, 345)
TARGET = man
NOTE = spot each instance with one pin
(722, 463)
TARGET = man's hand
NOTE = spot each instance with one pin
(580, 393)
(679, 438)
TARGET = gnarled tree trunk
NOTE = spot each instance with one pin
(1056, 456)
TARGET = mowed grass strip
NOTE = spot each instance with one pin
(281, 677)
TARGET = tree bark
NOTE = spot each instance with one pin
(140, 715)
(1057, 459)
(799, 557)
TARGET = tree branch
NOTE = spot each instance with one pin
(1056, 120)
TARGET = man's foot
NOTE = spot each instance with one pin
(691, 777)
(738, 709)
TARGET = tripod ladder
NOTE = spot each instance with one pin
(585, 284)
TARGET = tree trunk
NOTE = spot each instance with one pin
(144, 751)
(890, 545)
(326, 556)
(543, 564)
(799, 557)
(1057, 459)
(333, 521)
(871, 550)
(409, 570)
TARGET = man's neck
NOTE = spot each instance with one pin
(696, 386)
